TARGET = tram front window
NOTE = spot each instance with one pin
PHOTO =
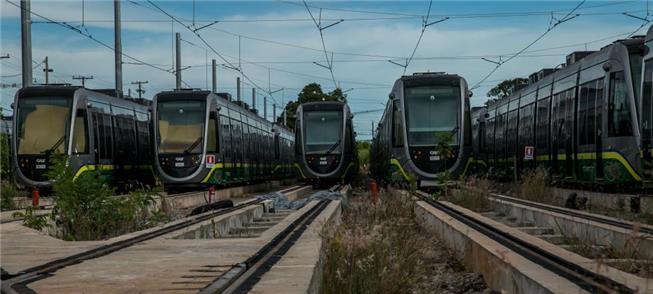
(42, 125)
(322, 132)
(181, 126)
(431, 111)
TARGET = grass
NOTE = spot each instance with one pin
(628, 258)
(380, 248)
(535, 186)
(473, 194)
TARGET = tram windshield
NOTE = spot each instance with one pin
(323, 132)
(43, 125)
(430, 111)
(180, 126)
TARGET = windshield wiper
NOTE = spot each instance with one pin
(333, 147)
(192, 146)
(55, 146)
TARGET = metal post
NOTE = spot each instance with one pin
(215, 76)
(83, 78)
(26, 42)
(372, 129)
(237, 88)
(178, 61)
(265, 108)
(118, 46)
(47, 70)
(285, 117)
(140, 90)
(274, 113)
(253, 98)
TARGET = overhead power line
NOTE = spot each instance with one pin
(321, 28)
(89, 36)
(228, 63)
(553, 24)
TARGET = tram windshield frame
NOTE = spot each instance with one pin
(43, 125)
(323, 131)
(185, 123)
(431, 110)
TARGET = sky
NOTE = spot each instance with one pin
(280, 44)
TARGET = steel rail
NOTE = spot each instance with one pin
(592, 217)
(584, 278)
(17, 283)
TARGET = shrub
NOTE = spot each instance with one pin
(33, 220)
(8, 191)
(86, 210)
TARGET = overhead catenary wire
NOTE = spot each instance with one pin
(552, 25)
(320, 28)
(227, 62)
(89, 36)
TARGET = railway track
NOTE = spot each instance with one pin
(582, 275)
(242, 277)
(617, 223)
(17, 282)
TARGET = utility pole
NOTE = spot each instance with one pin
(215, 76)
(47, 70)
(178, 60)
(253, 98)
(238, 89)
(26, 41)
(265, 108)
(274, 113)
(118, 47)
(372, 129)
(140, 90)
(285, 117)
(83, 78)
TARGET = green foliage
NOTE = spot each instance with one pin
(310, 93)
(8, 191)
(363, 153)
(33, 220)
(5, 168)
(86, 210)
(505, 88)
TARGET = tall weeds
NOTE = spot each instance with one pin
(375, 250)
(473, 194)
(534, 186)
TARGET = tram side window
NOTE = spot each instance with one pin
(226, 135)
(143, 131)
(212, 137)
(525, 127)
(80, 133)
(397, 129)
(542, 146)
(103, 135)
(619, 122)
(590, 93)
(647, 101)
(512, 132)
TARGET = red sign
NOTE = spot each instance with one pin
(528, 152)
(210, 160)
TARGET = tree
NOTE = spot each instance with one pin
(310, 93)
(505, 88)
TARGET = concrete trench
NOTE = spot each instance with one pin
(587, 231)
